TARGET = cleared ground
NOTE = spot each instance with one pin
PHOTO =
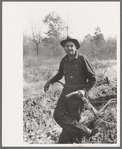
(38, 107)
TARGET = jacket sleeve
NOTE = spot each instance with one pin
(59, 75)
(90, 74)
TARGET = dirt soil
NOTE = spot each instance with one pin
(38, 107)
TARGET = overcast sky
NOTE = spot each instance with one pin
(83, 17)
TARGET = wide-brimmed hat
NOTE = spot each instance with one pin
(68, 39)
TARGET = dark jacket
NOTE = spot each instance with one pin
(87, 74)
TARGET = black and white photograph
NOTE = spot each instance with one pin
(61, 74)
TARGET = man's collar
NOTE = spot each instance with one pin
(76, 55)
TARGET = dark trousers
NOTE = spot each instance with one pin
(67, 115)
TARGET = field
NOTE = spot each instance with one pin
(38, 107)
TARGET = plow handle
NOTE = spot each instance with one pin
(87, 103)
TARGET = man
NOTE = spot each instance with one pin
(79, 75)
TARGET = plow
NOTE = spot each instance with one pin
(97, 114)
(96, 118)
(38, 119)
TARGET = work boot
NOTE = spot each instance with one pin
(76, 139)
(65, 137)
(86, 130)
(93, 132)
(81, 126)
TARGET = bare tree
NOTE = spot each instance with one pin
(36, 36)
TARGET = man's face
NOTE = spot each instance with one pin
(70, 48)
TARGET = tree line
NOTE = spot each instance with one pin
(95, 46)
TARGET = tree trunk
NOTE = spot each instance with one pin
(37, 48)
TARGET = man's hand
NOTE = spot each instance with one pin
(81, 93)
(46, 86)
